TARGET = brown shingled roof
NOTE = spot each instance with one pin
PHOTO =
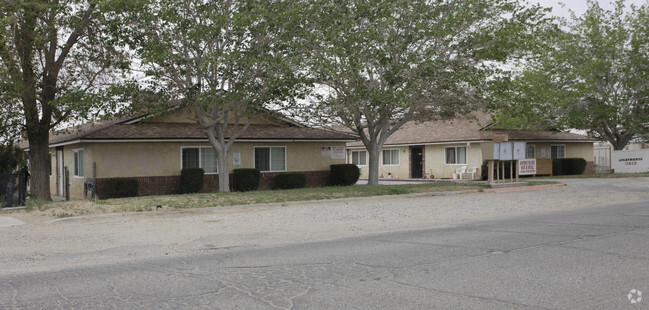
(120, 130)
(467, 130)
(153, 131)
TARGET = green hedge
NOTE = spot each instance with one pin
(290, 180)
(568, 166)
(121, 187)
(245, 179)
(344, 174)
(191, 180)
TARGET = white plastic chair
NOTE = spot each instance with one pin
(461, 171)
(472, 171)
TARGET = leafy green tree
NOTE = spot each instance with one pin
(381, 63)
(57, 60)
(224, 62)
(12, 158)
(592, 76)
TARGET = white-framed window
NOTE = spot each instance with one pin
(78, 162)
(558, 151)
(455, 155)
(199, 157)
(391, 157)
(270, 158)
(359, 158)
(531, 151)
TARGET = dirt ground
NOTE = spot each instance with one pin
(42, 244)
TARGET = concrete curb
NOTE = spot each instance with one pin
(289, 203)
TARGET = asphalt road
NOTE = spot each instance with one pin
(586, 259)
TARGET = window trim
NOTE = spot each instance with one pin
(564, 150)
(358, 151)
(533, 146)
(466, 153)
(254, 164)
(75, 154)
(391, 164)
(199, 157)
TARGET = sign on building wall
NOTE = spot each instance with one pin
(527, 166)
(337, 152)
(236, 158)
(630, 161)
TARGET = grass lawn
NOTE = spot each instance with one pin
(195, 201)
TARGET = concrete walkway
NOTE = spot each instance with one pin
(413, 181)
(6, 221)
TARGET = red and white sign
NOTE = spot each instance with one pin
(527, 167)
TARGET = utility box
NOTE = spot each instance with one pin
(506, 150)
(490, 151)
(520, 150)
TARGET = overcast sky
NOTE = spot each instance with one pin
(579, 6)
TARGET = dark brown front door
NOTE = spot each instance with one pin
(416, 162)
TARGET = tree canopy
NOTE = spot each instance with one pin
(381, 63)
(222, 61)
(58, 63)
(12, 158)
(592, 76)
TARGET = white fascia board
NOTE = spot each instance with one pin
(555, 141)
(418, 144)
(66, 143)
(474, 141)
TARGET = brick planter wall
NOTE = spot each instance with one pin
(167, 185)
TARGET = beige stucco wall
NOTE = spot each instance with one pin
(401, 171)
(164, 159)
(76, 182)
(434, 158)
(573, 149)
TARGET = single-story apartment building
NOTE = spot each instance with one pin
(155, 149)
(442, 147)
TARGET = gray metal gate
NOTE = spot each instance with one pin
(12, 189)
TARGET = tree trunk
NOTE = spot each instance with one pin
(224, 170)
(40, 172)
(374, 151)
(621, 140)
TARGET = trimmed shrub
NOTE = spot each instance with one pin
(344, 174)
(245, 179)
(121, 187)
(568, 166)
(290, 180)
(191, 180)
